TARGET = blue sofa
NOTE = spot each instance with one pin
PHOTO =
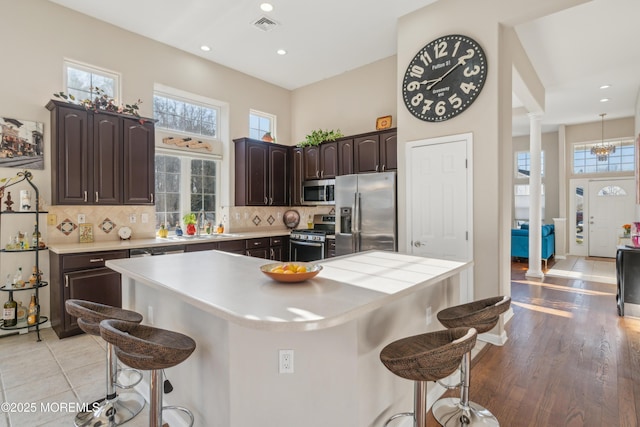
(520, 242)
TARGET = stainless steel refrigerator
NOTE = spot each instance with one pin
(366, 207)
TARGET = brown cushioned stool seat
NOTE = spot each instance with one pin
(148, 348)
(115, 408)
(426, 357)
(483, 315)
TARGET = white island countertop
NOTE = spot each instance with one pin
(232, 287)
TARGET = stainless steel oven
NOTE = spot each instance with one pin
(310, 244)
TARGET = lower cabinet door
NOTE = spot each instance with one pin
(100, 285)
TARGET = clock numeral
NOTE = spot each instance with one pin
(468, 72)
(427, 106)
(440, 49)
(467, 87)
(469, 55)
(416, 100)
(441, 108)
(416, 71)
(413, 85)
(455, 101)
(455, 48)
(426, 59)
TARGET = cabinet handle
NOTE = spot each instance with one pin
(317, 174)
(256, 243)
(85, 195)
(272, 254)
(321, 174)
(376, 168)
(266, 202)
(270, 200)
(97, 198)
(66, 281)
(96, 260)
(152, 198)
(383, 168)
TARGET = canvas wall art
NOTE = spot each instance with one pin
(21, 144)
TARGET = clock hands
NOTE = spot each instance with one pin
(439, 79)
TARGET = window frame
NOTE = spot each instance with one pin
(621, 144)
(261, 114)
(92, 69)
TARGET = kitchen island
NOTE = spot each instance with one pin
(336, 324)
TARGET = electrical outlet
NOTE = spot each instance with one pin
(52, 219)
(150, 315)
(81, 219)
(429, 316)
(285, 361)
(132, 219)
(144, 218)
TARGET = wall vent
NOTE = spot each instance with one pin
(265, 24)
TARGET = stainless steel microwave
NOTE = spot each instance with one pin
(319, 192)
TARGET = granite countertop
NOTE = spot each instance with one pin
(232, 287)
(112, 245)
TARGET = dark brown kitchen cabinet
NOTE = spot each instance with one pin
(297, 175)
(100, 158)
(258, 248)
(321, 162)
(82, 276)
(279, 248)
(375, 152)
(261, 173)
(345, 156)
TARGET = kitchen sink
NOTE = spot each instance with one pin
(186, 238)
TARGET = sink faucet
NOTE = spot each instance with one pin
(198, 221)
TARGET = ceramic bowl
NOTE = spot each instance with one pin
(311, 271)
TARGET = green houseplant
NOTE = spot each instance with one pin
(319, 136)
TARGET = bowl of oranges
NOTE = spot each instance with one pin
(291, 272)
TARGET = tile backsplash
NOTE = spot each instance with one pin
(105, 222)
(257, 218)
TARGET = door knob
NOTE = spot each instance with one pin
(417, 244)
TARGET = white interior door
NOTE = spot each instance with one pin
(438, 198)
(611, 204)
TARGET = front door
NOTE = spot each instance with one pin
(438, 198)
(611, 204)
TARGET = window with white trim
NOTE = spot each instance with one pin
(523, 164)
(261, 123)
(81, 78)
(522, 200)
(622, 160)
(186, 182)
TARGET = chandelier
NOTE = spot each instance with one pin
(602, 150)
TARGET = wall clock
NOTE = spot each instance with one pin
(444, 78)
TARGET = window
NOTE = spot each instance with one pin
(522, 201)
(186, 181)
(178, 175)
(523, 164)
(611, 190)
(80, 78)
(185, 116)
(623, 160)
(261, 123)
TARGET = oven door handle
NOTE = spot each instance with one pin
(316, 244)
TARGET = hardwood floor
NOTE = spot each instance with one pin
(569, 359)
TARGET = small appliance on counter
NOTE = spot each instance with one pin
(366, 205)
(311, 244)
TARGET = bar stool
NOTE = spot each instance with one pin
(148, 348)
(426, 357)
(483, 315)
(114, 409)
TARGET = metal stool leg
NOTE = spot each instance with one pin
(155, 401)
(115, 409)
(419, 413)
(460, 412)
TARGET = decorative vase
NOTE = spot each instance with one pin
(635, 235)
(191, 229)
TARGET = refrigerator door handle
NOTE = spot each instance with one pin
(358, 219)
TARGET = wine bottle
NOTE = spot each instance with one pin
(35, 237)
(10, 312)
(32, 313)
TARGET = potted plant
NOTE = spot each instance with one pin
(319, 136)
(190, 221)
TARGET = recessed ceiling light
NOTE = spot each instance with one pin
(267, 7)
(205, 48)
(281, 52)
(604, 100)
(605, 86)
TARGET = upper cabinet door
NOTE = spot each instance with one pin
(311, 163)
(257, 180)
(297, 175)
(328, 160)
(71, 179)
(345, 157)
(107, 159)
(278, 176)
(366, 154)
(389, 151)
(139, 161)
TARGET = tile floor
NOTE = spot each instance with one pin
(575, 267)
(53, 372)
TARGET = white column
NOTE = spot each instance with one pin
(535, 205)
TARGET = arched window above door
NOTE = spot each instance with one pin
(612, 190)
